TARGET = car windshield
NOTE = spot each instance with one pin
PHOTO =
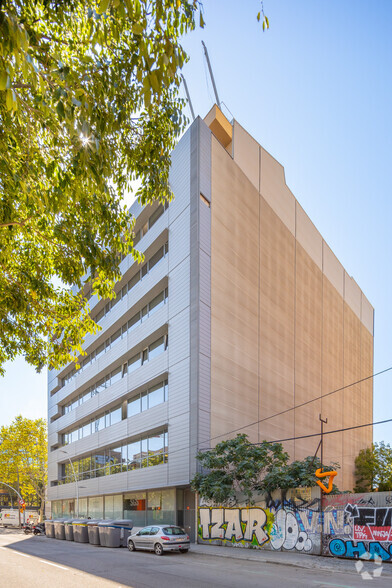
(174, 531)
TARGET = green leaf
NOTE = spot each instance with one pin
(103, 6)
(3, 80)
(258, 17)
(202, 23)
(60, 109)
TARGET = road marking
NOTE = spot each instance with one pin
(22, 554)
(52, 564)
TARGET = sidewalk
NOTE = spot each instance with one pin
(295, 559)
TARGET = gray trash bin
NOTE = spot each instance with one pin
(49, 528)
(59, 531)
(80, 531)
(93, 532)
(115, 533)
(103, 529)
(68, 528)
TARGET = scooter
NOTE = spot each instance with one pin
(27, 528)
(39, 529)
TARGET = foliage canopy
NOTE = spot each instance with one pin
(237, 469)
(373, 468)
(23, 458)
(88, 101)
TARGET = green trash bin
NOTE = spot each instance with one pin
(68, 528)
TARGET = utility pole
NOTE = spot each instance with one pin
(17, 471)
(322, 421)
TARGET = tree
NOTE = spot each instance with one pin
(23, 458)
(235, 467)
(299, 473)
(373, 468)
(88, 101)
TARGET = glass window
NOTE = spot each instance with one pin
(134, 505)
(95, 507)
(156, 302)
(115, 416)
(86, 430)
(99, 350)
(114, 456)
(134, 321)
(115, 336)
(156, 348)
(144, 270)
(144, 229)
(144, 356)
(124, 458)
(134, 455)
(144, 454)
(115, 376)
(155, 216)
(134, 406)
(134, 363)
(99, 424)
(74, 436)
(156, 395)
(113, 507)
(155, 258)
(134, 280)
(100, 386)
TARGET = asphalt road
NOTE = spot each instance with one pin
(43, 562)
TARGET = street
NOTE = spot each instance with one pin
(43, 562)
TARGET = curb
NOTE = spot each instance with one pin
(297, 564)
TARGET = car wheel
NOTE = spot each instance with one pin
(158, 549)
(184, 550)
(131, 546)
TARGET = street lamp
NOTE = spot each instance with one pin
(76, 482)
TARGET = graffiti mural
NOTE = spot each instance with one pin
(358, 526)
(289, 524)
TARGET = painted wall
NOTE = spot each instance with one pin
(289, 524)
(349, 525)
(359, 525)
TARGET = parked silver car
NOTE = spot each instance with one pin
(160, 538)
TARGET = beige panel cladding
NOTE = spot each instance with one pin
(277, 322)
(367, 314)
(246, 153)
(332, 375)
(234, 297)
(308, 236)
(333, 269)
(352, 294)
(273, 188)
(308, 338)
(285, 344)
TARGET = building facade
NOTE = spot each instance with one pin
(240, 319)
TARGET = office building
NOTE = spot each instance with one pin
(240, 311)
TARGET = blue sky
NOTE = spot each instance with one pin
(315, 91)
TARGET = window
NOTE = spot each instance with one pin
(134, 406)
(134, 363)
(156, 348)
(156, 395)
(142, 452)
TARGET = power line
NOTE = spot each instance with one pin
(299, 405)
(329, 432)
